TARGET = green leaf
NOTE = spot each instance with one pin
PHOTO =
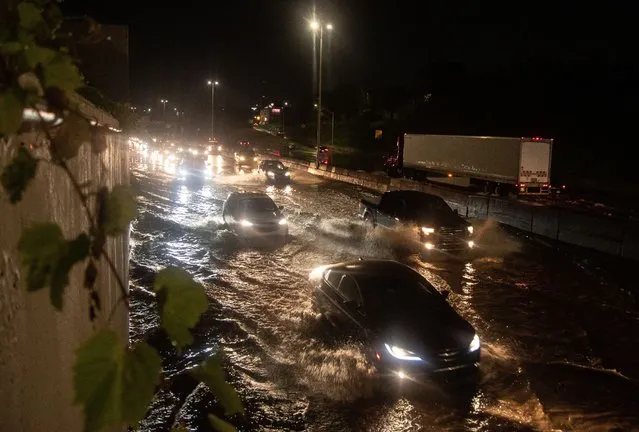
(220, 425)
(48, 258)
(74, 132)
(11, 107)
(141, 375)
(96, 382)
(212, 374)
(30, 15)
(181, 301)
(36, 54)
(74, 251)
(40, 247)
(18, 174)
(10, 48)
(120, 210)
(62, 73)
(114, 385)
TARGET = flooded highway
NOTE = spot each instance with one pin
(559, 329)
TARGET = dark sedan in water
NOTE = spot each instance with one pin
(274, 171)
(254, 215)
(408, 326)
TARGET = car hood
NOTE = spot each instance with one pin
(441, 219)
(427, 330)
(263, 217)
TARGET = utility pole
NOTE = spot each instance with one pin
(319, 98)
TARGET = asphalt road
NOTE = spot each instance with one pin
(559, 329)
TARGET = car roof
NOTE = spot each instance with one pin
(371, 266)
(248, 195)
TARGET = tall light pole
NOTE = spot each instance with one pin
(164, 102)
(213, 84)
(318, 25)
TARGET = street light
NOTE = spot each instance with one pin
(213, 84)
(315, 26)
(164, 102)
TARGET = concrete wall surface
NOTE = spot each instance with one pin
(37, 343)
(600, 232)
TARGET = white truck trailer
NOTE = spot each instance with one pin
(498, 164)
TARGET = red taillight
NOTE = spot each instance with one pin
(544, 185)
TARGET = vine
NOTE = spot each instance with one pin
(113, 382)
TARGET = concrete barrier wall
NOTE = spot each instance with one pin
(602, 233)
(38, 344)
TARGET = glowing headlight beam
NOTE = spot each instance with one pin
(401, 354)
(474, 344)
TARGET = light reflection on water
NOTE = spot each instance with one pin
(283, 360)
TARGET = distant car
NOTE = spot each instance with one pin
(192, 168)
(245, 157)
(244, 144)
(251, 214)
(322, 154)
(274, 171)
(406, 326)
(439, 228)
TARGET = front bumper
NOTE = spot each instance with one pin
(264, 230)
(447, 241)
(442, 363)
(278, 179)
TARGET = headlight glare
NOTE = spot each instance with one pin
(246, 223)
(474, 344)
(428, 230)
(470, 229)
(401, 354)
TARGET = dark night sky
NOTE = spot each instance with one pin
(174, 49)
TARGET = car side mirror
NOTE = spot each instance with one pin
(445, 294)
(280, 207)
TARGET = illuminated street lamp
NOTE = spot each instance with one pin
(164, 102)
(315, 26)
(213, 84)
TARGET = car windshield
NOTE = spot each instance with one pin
(418, 205)
(274, 165)
(258, 205)
(394, 292)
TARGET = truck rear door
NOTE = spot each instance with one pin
(534, 166)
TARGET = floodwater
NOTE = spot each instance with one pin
(559, 329)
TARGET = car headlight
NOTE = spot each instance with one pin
(470, 229)
(255, 158)
(287, 174)
(241, 158)
(283, 221)
(427, 230)
(474, 344)
(219, 148)
(401, 353)
(246, 223)
(270, 173)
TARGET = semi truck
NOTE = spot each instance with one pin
(499, 165)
